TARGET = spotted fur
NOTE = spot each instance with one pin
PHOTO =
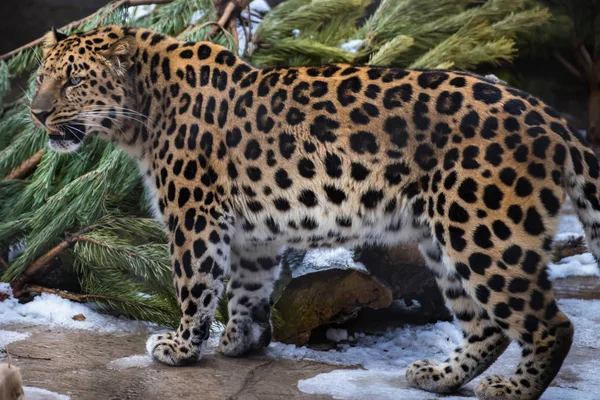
(243, 162)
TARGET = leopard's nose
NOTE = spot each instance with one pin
(41, 115)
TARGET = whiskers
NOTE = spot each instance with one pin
(111, 113)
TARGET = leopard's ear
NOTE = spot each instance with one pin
(51, 39)
(118, 55)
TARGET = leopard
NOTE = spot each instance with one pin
(242, 162)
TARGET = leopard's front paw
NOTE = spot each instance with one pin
(169, 348)
(432, 376)
(244, 335)
(498, 388)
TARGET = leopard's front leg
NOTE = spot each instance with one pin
(253, 273)
(199, 244)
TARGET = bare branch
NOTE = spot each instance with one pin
(45, 259)
(78, 297)
(26, 168)
(567, 248)
(587, 59)
(570, 67)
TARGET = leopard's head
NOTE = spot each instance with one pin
(84, 87)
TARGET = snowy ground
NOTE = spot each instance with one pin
(52, 311)
(385, 358)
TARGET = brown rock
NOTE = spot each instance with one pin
(79, 317)
(403, 269)
(318, 298)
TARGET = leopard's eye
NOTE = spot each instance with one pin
(40, 79)
(74, 81)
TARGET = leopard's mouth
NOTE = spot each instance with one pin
(67, 137)
(70, 132)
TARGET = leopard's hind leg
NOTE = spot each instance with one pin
(509, 279)
(483, 340)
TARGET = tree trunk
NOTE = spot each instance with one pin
(593, 131)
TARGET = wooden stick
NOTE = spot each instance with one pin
(44, 260)
(230, 13)
(570, 67)
(587, 59)
(75, 24)
(234, 33)
(3, 264)
(26, 168)
(37, 266)
(567, 248)
(78, 297)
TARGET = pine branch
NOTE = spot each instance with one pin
(75, 24)
(25, 169)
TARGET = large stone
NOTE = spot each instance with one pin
(323, 297)
(403, 270)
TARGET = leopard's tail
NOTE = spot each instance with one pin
(581, 180)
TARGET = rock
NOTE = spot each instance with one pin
(79, 317)
(403, 269)
(323, 297)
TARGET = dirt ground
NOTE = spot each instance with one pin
(78, 364)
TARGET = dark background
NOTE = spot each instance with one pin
(22, 21)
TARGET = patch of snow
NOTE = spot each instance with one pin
(140, 11)
(568, 224)
(495, 79)
(16, 250)
(33, 393)
(352, 46)
(260, 6)
(337, 335)
(137, 361)
(196, 16)
(579, 265)
(296, 32)
(7, 337)
(386, 357)
(323, 259)
(52, 310)
(144, 295)
(396, 348)
(361, 384)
